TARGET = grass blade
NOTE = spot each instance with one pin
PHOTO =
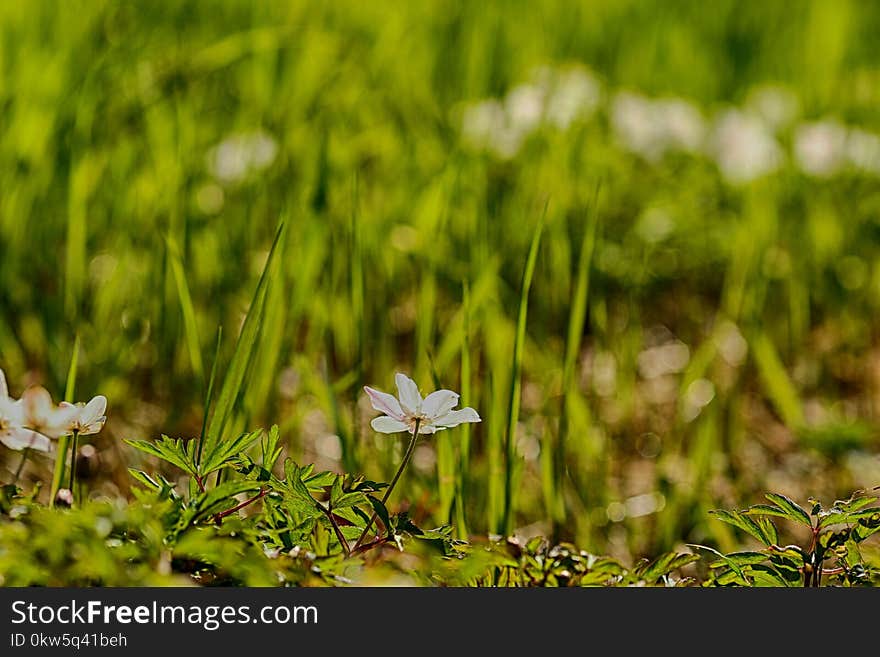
(515, 380)
(576, 321)
(190, 327)
(464, 449)
(244, 350)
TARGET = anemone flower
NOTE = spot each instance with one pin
(86, 419)
(410, 412)
(41, 415)
(431, 414)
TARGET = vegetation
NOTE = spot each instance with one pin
(639, 239)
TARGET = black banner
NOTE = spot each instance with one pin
(369, 620)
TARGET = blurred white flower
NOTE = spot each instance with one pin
(552, 97)
(524, 106)
(433, 413)
(683, 125)
(41, 415)
(819, 147)
(776, 106)
(575, 94)
(635, 125)
(237, 156)
(485, 125)
(13, 433)
(863, 150)
(86, 419)
(653, 128)
(744, 148)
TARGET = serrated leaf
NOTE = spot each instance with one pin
(735, 567)
(270, 448)
(766, 510)
(793, 510)
(168, 449)
(665, 564)
(222, 452)
(766, 576)
(318, 480)
(764, 533)
(145, 479)
(222, 497)
(380, 510)
(740, 559)
(336, 491)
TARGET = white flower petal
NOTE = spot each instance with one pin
(429, 428)
(385, 403)
(94, 427)
(11, 411)
(439, 403)
(385, 424)
(408, 392)
(4, 390)
(37, 403)
(61, 421)
(24, 438)
(454, 418)
(93, 411)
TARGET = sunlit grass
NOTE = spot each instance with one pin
(681, 342)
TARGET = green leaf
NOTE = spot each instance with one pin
(793, 510)
(336, 492)
(381, 511)
(766, 510)
(764, 532)
(766, 576)
(270, 448)
(349, 500)
(665, 564)
(175, 451)
(245, 347)
(222, 452)
(732, 564)
(740, 559)
(222, 497)
(145, 479)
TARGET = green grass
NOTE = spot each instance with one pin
(404, 250)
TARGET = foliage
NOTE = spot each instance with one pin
(689, 337)
(836, 535)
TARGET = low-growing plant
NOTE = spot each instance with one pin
(833, 551)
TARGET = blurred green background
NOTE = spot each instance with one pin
(702, 317)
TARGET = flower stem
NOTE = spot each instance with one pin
(406, 457)
(24, 457)
(73, 461)
(60, 462)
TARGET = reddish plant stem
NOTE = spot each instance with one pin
(239, 507)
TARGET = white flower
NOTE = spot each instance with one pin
(13, 434)
(576, 94)
(820, 147)
(745, 148)
(777, 106)
(653, 128)
(239, 155)
(863, 150)
(87, 419)
(434, 412)
(41, 415)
